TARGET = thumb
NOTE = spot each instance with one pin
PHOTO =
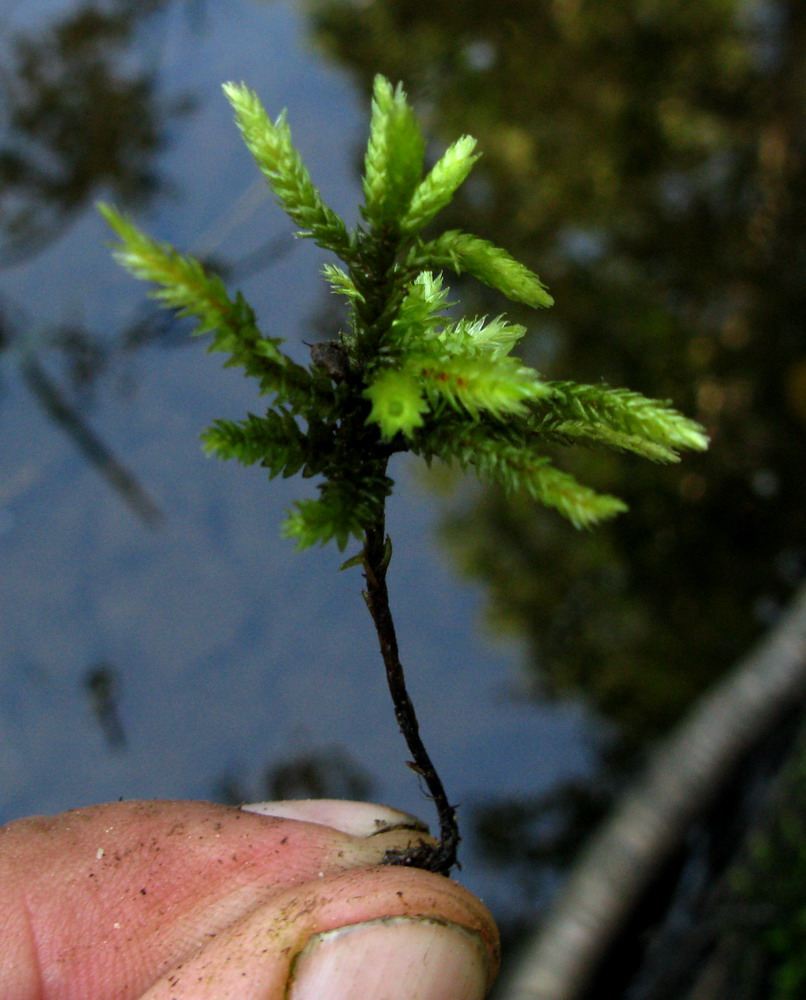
(366, 934)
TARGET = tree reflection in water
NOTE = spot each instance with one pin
(78, 120)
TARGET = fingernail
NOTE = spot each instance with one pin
(394, 958)
(359, 819)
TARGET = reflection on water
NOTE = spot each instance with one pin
(648, 161)
(66, 415)
(326, 773)
(78, 119)
(102, 684)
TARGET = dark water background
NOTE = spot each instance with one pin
(158, 638)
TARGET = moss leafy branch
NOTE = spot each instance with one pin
(403, 375)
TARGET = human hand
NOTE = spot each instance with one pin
(193, 901)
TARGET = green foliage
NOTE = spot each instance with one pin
(274, 440)
(403, 376)
(619, 418)
(394, 160)
(270, 144)
(769, 878)
(486, 262)
(184, 285)
(439, 187)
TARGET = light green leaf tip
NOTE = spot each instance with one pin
(393, 163)
(398, 403)
(439, 187)
(282, 166)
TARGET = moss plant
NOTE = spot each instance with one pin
(401, 376)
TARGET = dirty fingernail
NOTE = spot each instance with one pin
(394, 958)
(359, 819)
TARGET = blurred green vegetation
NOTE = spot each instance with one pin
(772, 880)
(753, 929)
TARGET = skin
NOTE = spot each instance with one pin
(189, 900)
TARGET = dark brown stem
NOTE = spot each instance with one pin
(441, 857)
